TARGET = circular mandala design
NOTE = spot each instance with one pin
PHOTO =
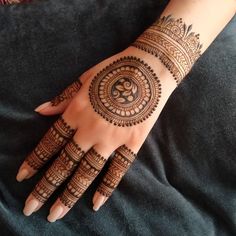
(126, 92)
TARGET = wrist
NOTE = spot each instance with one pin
(171, 41)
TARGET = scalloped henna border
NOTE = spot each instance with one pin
(66, 125)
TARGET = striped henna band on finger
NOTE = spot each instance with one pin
(88, 169)
(56, 137)
(119, 165)
(59, 171)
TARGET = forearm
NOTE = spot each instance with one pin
(197, 23)
(208, 17)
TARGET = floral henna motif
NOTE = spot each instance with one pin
(126, 92)
(68, 93)
(60, 170)
(88, 169)
(119, 165)
(173, 43)
(56, 137)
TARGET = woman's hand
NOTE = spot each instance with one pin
(115, 104)
(110, 109)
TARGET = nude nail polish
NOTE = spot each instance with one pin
(42, 106)
(95, 207)
(55, 214)
(22, 174)
(30, 207)
(98, 203)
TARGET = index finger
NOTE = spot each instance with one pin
(55, 138)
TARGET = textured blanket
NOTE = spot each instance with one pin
(184, 179)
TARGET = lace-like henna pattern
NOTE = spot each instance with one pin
(56, 137)
(126, 92)
(119, 165)
(87, 171)
(68, 93)
(173, 43)
(60, 170)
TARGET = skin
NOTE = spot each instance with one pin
(208, 18)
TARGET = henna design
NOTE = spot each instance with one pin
(56, 137)
(87, 171)
(173, 43)
(68, 93)
(119, 165)
(59, 171)
(126, 92)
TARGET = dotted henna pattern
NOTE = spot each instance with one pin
(119, 165)
(59, 171)
(68, 93)
(126, 92)
(88, 169)
(173, 43)
(56, 137)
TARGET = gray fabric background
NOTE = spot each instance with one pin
(183, 182)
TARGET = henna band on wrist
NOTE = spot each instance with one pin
(173, 43)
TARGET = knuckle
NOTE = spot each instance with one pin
(77, 105)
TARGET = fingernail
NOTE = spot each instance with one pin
(42, 106)
(104, 200)
(98, 203)
(55, 214)
(22, 174)
(30, 207)
(95, 208)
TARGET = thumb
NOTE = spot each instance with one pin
(59, 103)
